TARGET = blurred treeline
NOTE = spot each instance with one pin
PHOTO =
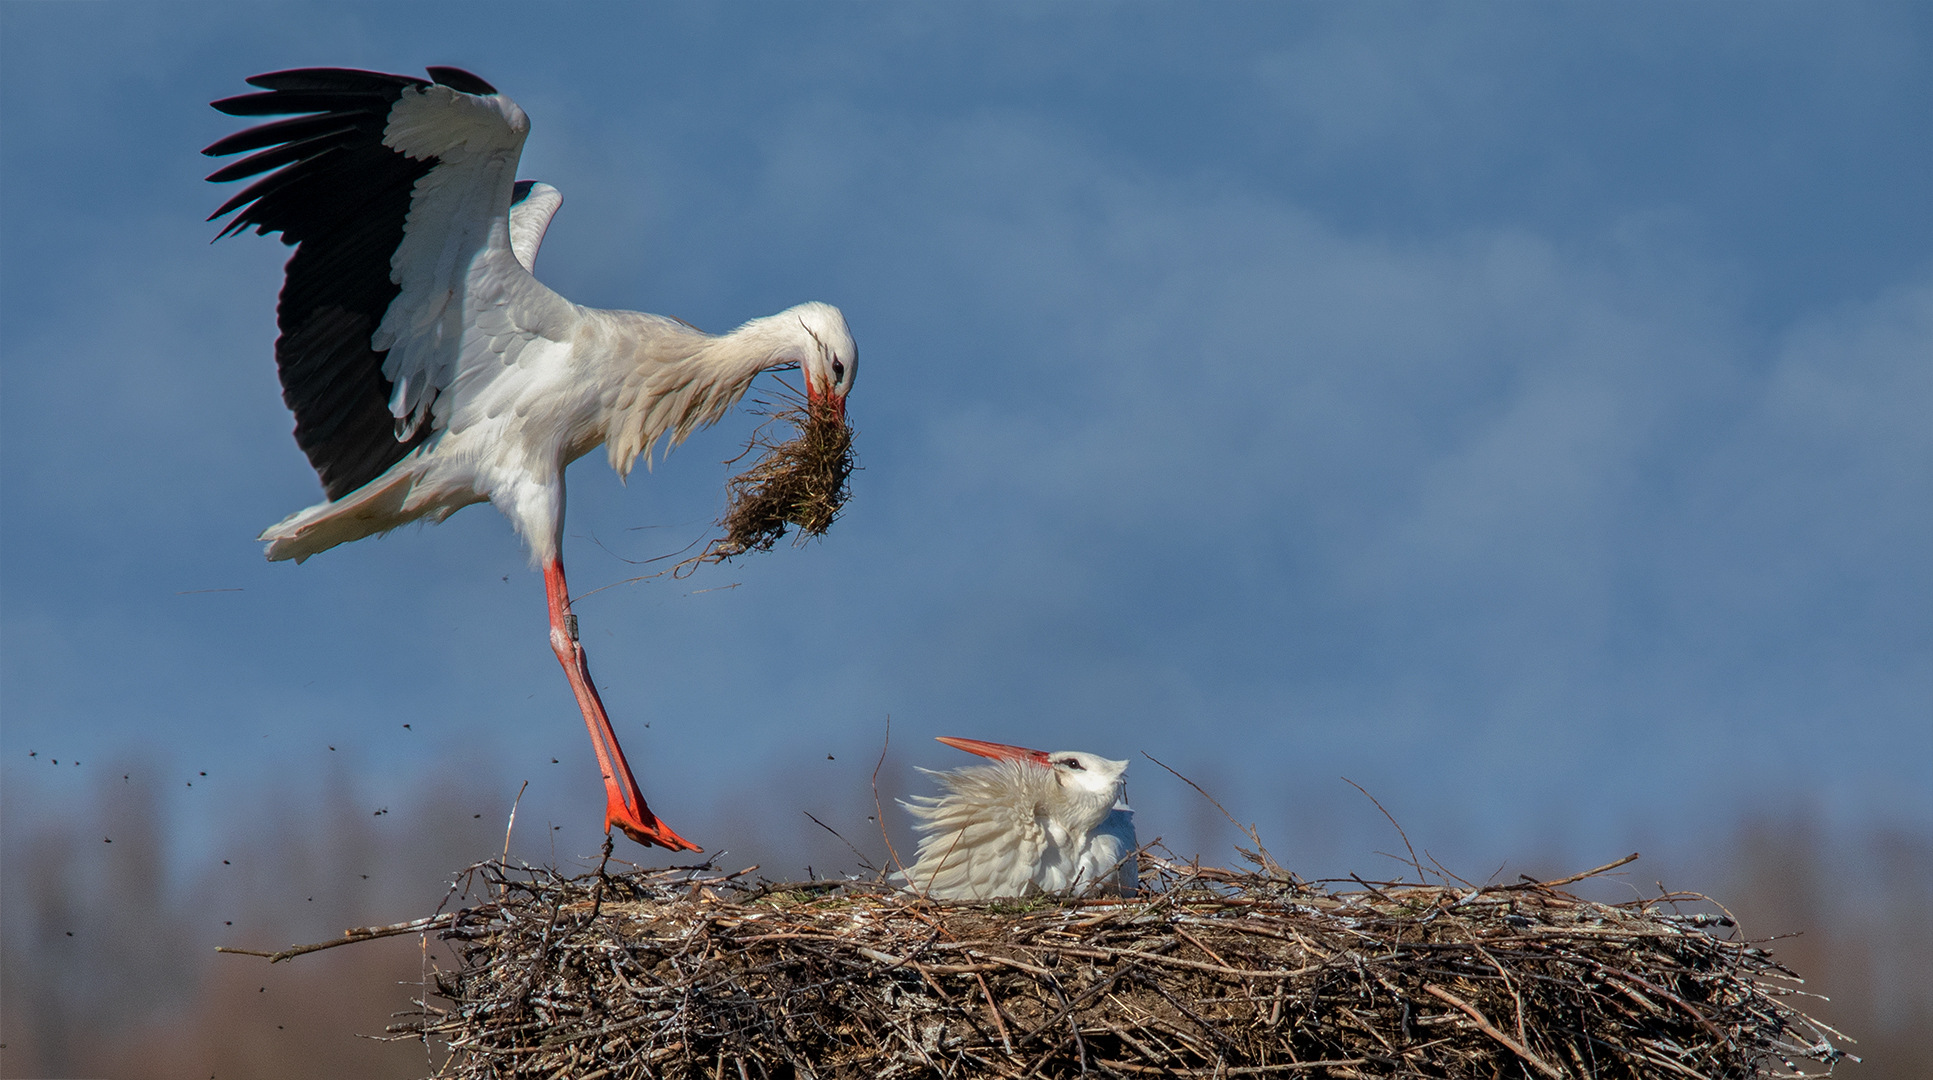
(109, 913)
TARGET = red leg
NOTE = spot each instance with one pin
(623, 803)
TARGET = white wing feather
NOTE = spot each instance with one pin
(530, 219)
(468, 303)
(984, 838)
(1110, 857)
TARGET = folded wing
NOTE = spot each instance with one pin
(984, 839)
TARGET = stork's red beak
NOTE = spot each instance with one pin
(813, 396)
(997, 750)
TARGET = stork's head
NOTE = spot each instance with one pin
(1089, 773)
(829, 360)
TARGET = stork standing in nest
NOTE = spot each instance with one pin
(1030, 822)
(429, 370)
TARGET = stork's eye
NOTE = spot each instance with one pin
(838, 371)
(1072, 763)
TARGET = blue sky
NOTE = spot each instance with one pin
(1521, 410)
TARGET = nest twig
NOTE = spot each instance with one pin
(1211, 973)
(801, 483)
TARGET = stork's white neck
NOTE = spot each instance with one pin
(1080, 807)
(672, 380)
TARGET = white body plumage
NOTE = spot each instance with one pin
(1029, 822)
(617, 378)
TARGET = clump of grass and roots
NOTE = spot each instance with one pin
(801, 483)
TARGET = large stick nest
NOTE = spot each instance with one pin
(1210, 973)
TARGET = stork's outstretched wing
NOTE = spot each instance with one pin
(397, 192)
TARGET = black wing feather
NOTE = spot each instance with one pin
(341, 79)
(342, 198)
(461, 80)
(282, 102)
(277, 156)
(276, 131)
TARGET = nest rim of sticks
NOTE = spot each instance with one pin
(1210, 972)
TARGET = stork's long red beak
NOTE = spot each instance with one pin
(996, 750)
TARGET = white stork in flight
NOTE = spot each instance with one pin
(428, 370)
(1030, 822)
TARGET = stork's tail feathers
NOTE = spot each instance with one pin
(376, 507)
